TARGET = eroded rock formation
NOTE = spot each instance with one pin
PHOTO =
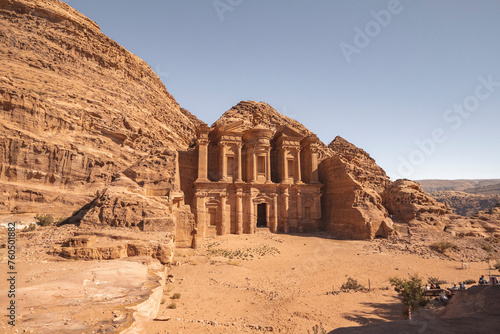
(353, 182)
(408, 203)
(75, 107)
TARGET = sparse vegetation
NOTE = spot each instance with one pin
(488, 248)
(435, 280)
(470, 281)
(497, 266)
(44, 220)
(172, 306)
(29, 228)
(61, 221)
(318, 329)
(411, 292)
(443, 246)
(163, 300)
(352, 284)
(176, 295)
(243, 254)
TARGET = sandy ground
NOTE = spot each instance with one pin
(286, 290)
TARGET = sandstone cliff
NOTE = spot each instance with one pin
(75, 107)
(352, 206)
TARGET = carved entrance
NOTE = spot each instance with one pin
(261, 215)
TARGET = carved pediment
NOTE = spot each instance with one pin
(286, 131)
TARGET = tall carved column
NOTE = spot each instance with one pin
(268, 158)
(223, 222)
(200, 215)
(251, 219)
(298, 176)
(202, 133)
(285, 213)
(285, 166)
(299, 210)
(239, 212)
(238, 158)
(254, 166)
(223, 159)
(314, 165)
(274, 220)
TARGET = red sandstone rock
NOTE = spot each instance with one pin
(75, 106)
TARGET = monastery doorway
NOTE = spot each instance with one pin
(261, 215)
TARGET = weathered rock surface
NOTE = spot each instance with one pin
(466, 204)
(408, 203)
(484, 224)
(353, 182)
(262, 113)
(75, 107)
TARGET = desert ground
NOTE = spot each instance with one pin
(231, 284)
(288, 288)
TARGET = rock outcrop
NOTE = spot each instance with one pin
(352, 205)
(75, 107)
(466, 204)
(408, 203)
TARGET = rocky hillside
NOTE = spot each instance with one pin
(465, 197)
(464, 203)
(75, 107)
(431, 186)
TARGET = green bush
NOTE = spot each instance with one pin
(410, 290)
(30, 228)
(442, 246)
(318, 329)
(435, 280)
(488, 248)
(44, 220)
(352, 284)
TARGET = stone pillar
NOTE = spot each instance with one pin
(314, 165)
(202, 160)
(274, 221)
(251, 219)
(268, 157)
(238, 161)
(285, 166)
(298, 176)
(202, 133)
(299, 210)
(223, 169)
(285, 213)
(254, 166)
(200, 215)
(223, 222)
(251, 173)
(239, 212)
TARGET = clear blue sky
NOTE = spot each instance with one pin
(384, 75)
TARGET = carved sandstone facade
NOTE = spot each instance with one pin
(252, 177)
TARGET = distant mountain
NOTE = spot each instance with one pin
(466, 197)
(431, 186)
